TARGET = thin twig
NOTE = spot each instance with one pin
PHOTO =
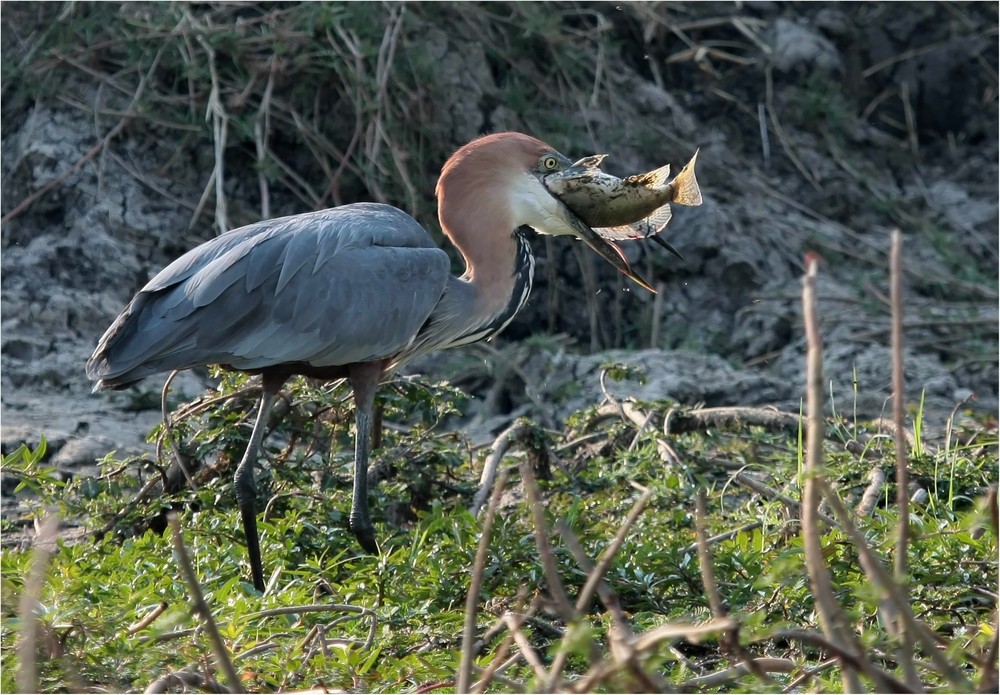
(831, 617)
(882, 579)
(29, 607)
(544, 544)
(872, 493)
(902, 485)
(501, 444)
(168, 431)
(201, 607)
(727, 675)
(472, 600)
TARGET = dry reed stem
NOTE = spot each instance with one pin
(472, 600)
(902, 485)
(29, 605)
(504, 441)
(201, 607)
(761, 665)
(168, 431)
(731, 640)
(872, 493)
(705, 557)
(544, 544)
(832, 619)
(891, 591)
(780, 132)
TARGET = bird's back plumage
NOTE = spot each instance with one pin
(334, 287)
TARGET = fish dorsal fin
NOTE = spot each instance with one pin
(592, 162)
(657, 178)
(686, 189)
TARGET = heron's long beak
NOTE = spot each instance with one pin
(608, 250)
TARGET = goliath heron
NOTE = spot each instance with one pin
(350, 292)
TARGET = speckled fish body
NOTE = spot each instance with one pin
(635, 207)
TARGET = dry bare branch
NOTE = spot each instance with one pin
(472, 600)
(201, 607)
(832, 619)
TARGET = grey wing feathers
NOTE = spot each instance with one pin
(339, 286)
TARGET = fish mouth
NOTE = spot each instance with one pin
(608, 250)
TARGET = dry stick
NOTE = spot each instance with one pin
(168, 430)
(762, 665)
(501, 444)
(525, 647)
(731, 641)
(501, 662)
(831, 617)
(220, 127)
(262, 130)
(28, 606)
(147, 620)
(544, 544)
(725, 536)
(780, 132)
(902, 497)
(792, 505)
(469, 629)
(201, 607)
(595, 578)
(705, 557)
(188, 678)
(808, 674)
(883, 680)
(881, 578)
(702, 418)
(911, 120)
(872, 493)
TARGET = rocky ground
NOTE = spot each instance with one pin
(821, 128)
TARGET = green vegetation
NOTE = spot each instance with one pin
(405, 632)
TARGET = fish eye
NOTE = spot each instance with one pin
(549, 163)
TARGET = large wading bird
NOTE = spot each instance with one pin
(351, 292)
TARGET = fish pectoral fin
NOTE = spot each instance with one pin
(658, 220)
(635, 230)
(686, 189)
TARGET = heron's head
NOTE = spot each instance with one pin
(493, 185)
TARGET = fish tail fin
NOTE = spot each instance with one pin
(686, 190)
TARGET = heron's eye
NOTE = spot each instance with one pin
(549, 163)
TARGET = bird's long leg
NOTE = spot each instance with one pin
(246, 488)
(364, 379)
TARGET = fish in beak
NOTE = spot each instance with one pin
(605, 248)
(636, 207)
